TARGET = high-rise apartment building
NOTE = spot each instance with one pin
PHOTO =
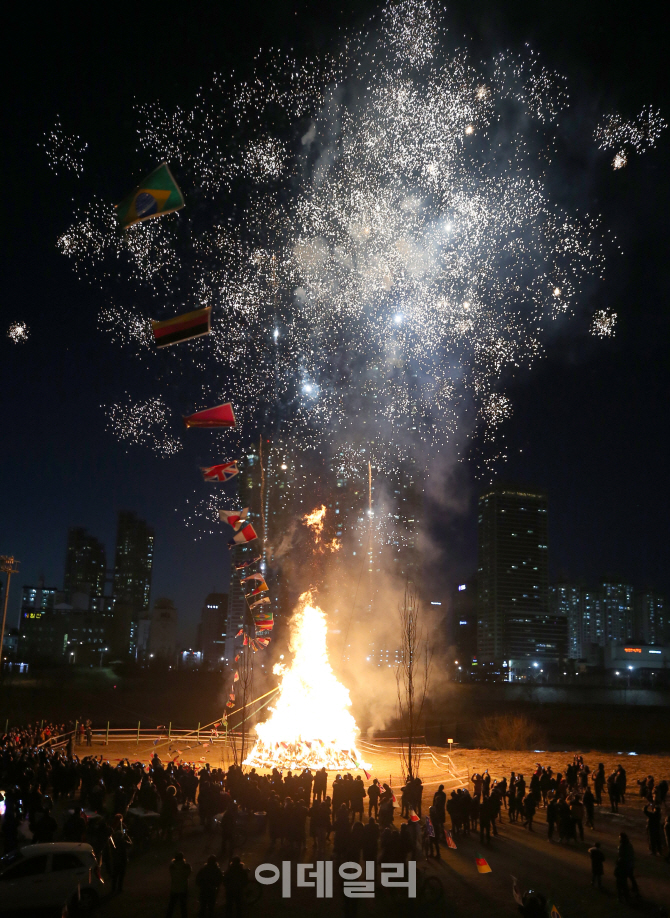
(516, 630)
(213, 630)
(619, 611)
(133, 564)
(650, 618)
(84, 564)
(368, 541)
(566, 600)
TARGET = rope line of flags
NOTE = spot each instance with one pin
(158, 194)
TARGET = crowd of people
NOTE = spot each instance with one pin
(117, 808)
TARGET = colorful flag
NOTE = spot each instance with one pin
(246, 640)
(263, 616)
(248, 534)
(219, 416)
(252, 577)
(261, 588)
(236, 677)
(237, 635)
(413, 817)
(430, 828)
(264, 626)
(182, 328)
(450, 840)
(482, 864)
(259, 602)
(230, 704)
(231, 695)
(243, 564)
(157, 194)
(223, 472)
(237, 657)
(234, 518)
(263, 641)
(554, 913)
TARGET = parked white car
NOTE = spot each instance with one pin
(48, 875)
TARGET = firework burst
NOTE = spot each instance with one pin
(393, 253)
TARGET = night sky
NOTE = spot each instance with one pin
(590, 421)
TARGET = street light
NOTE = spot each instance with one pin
(8, 565)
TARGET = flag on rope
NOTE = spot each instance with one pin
(252, 577)
(222, 472)
(231, 695)
(263, 616)
(182, 328)
(237, 656)
(230, 704)
(246, 640)
(263, 641)
(261, 588)
(234, 518)
(236, 677)
(219, 416)
(259, 602)
(157, 194)
(237, 635)
(482, 864)
(264, 626)
(243, 564)
(248, 534)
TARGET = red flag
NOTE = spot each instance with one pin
(261, 588)
(219, 416)
(234, 518)
(222, 472)
(253, 577)
(246, 640)
(450, 840)
(482, 864)
(248, 534)
(263, 641)
(264, 626)
(236, 677)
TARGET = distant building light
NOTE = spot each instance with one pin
(655, 651)
(462, 586)
(462, 623)
(436, 603)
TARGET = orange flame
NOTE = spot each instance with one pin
(314, 521)
(310, 724)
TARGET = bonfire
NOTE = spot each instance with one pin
(310, 724)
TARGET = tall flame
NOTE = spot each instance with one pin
(314, 521)
(310, 725)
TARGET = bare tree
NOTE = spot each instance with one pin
(412, 674)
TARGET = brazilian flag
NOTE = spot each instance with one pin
(157, 194)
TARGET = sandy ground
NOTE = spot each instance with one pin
(561, 872)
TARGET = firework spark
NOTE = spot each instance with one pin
(143, 423)
(604, 323)
(63, 151)
(18, 332)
